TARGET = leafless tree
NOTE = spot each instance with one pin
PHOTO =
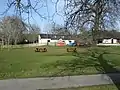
(33, 32)
(12, 29)
(1, 37)
(60, 30)
(7, 34)
(28, 7)
(94, 14)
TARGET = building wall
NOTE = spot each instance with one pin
(44, 41)
(115, 41)
(109, 41)
(106, 41)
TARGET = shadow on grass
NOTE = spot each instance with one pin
(108, 68)
(95, 59)
(92, 58)
(78, 66)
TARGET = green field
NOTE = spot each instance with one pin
(24, 62)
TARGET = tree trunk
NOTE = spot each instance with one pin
(96, 25)
(95, 32)
(2, 43)
(8, 43)
(15, 43)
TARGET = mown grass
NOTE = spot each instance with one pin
(24, 62)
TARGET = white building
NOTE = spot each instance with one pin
(53, 39)
(110, 41)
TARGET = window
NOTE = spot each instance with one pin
(48, 40)
(55, 37)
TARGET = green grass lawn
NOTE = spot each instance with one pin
(102, 87)
(24, 62)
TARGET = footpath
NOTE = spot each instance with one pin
(59, 82)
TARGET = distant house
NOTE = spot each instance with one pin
(109, 41)
(54, 38)
(109, 37)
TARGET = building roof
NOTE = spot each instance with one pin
(55, 36)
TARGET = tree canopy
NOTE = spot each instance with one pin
(94, 14)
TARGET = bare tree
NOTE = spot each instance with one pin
(12, 29)
(28, 7)
(94, 14)
(85, 36)
(60, 30)
(33, 32)
(1, 36)
(7, 34)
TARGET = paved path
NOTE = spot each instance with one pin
(57, 82)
